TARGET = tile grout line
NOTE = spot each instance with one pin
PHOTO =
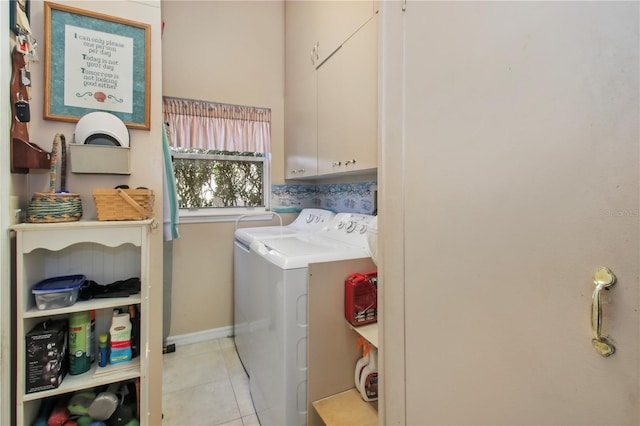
(228, 363)
(233, 385)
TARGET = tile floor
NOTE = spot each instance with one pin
(204, 384)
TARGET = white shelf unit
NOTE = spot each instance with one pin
(104, 252)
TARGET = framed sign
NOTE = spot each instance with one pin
(96, 62)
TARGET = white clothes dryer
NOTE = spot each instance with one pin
(308, 220)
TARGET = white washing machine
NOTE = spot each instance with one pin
(309, 220)
(278, 315)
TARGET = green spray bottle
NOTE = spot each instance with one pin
(79, 342)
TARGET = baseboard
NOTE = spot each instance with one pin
(200, 336)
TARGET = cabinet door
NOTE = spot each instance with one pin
(300, 91)
(348, 105)
(337, 21)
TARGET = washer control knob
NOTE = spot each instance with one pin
(352, 226)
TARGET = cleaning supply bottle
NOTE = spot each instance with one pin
(369, 378)
(103, 356)
(362, 362)
(92, 337)
(79, 342)
(120, 332)
(135, 330)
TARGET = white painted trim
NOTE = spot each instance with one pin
(200, 336)
(6, 399)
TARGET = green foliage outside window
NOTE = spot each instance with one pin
(219, 179)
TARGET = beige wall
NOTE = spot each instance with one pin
(228, 51)
(202, 290)
(232, 52)
(146, 149)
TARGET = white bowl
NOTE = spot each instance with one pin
(103, 126)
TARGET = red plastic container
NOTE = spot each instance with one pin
(361, 298)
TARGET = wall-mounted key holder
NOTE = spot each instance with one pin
(25, 155)
(23, 112)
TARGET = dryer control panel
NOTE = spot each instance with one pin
(350, 228)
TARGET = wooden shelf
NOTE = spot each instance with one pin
(369, 332)
(85, 305)
(97, 376)
(347, 408)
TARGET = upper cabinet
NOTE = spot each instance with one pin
(300, 109)
(330, 87)
(336, 21)
(348, 105)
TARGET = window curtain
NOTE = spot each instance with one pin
(215, 126)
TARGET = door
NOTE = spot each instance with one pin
(518, 165)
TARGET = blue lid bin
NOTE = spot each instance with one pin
(58, 292)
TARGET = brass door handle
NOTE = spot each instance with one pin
(603, 279)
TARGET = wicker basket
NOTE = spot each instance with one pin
(46, 207)
(52, 206)
(123, 204)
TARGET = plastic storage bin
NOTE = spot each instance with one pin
(58, 292)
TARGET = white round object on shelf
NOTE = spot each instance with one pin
(101, 128)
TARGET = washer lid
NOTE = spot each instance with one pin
(101, 128)
(299, 250)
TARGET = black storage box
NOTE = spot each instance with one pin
(46, 355)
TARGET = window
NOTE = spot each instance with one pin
(219, 179)
(221, 158)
